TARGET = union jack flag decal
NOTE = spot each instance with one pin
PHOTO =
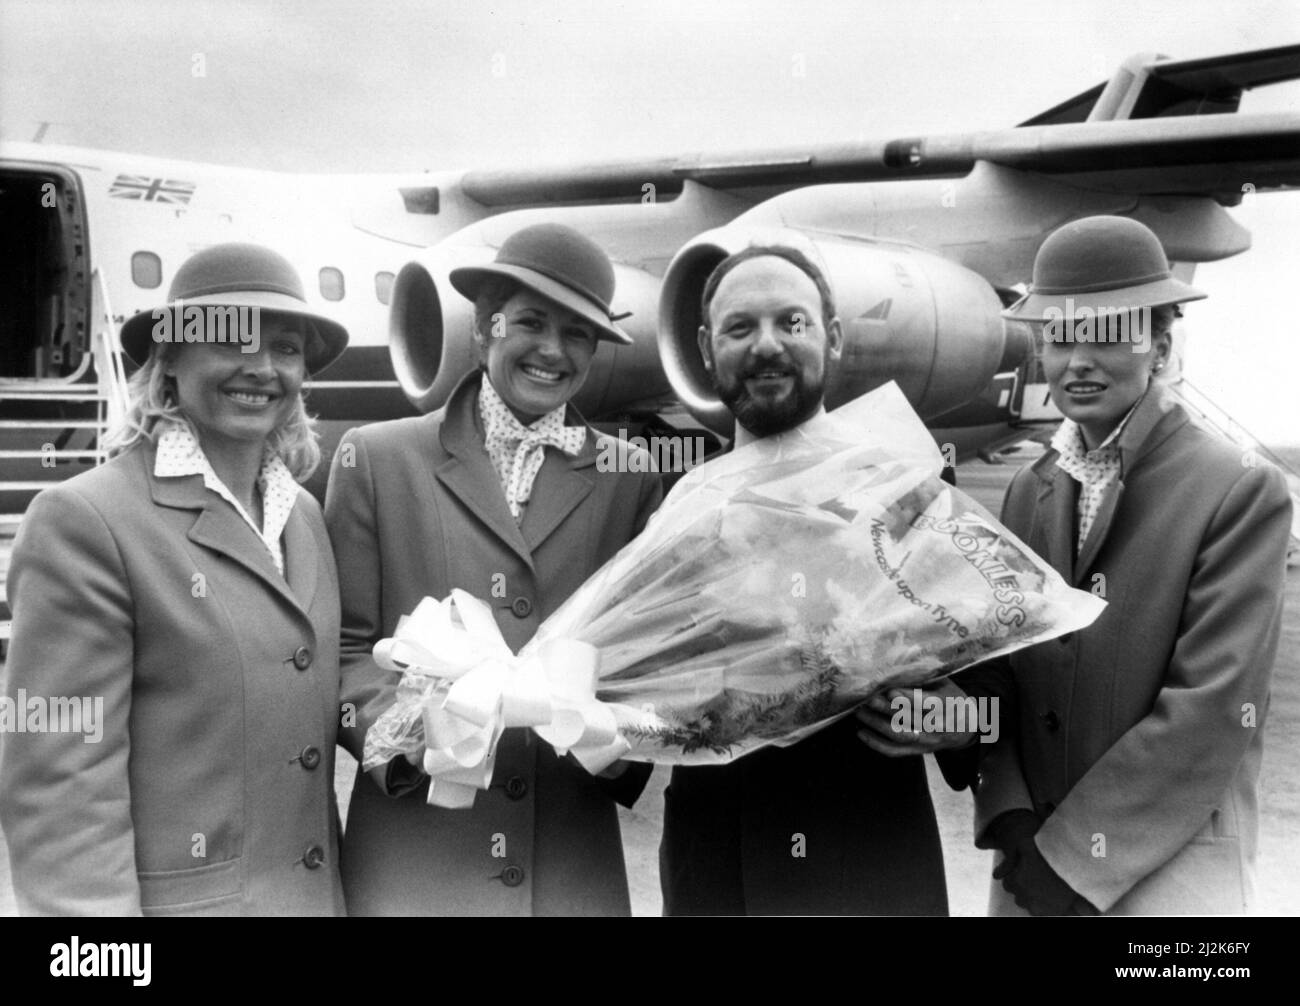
(152, 190)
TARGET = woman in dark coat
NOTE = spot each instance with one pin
(498, 493)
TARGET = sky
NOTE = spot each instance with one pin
(331, 86)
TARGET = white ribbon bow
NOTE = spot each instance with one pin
(474, 687)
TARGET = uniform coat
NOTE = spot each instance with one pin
(211, 790)
(415, 509)
(1139, 738)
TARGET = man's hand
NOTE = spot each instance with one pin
(1025, 874)
(1036, 887)
(1008, 833)
(886, 713)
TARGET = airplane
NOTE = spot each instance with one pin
(926, 239)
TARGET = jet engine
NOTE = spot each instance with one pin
(908, 315)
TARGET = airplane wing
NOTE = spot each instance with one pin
(1158, 127)
(1151, 86)
(1220, 155)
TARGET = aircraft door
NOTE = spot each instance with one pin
(45, 288)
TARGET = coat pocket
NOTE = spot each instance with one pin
(210, 889)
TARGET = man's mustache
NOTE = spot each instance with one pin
(751, 370)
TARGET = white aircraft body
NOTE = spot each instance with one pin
(925, 239)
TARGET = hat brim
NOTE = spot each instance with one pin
(1102, 303)
(326, 339)
(468, 279)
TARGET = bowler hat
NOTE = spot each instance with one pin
(242, 275)
(1103, 264)
(560, 264)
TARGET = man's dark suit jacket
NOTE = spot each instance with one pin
(824, 827)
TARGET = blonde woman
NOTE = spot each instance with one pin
(183, 597)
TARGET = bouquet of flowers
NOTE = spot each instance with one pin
(777, 588)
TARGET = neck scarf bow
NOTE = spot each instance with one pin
(517, 451)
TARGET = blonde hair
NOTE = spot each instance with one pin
(152, 394)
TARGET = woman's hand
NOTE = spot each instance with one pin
(895, 723)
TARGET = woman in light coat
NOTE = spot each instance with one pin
(183, 598)
(499, 494)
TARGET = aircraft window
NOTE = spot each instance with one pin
(331, 283)
(384, 286)
(146, 270)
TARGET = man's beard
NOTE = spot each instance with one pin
(764, 418)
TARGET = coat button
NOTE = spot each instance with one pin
(1065, 640)
(310, 757)
(1052, 721)
(512, 876)
(522, 607)
(516, 787)
(302, 658)
(314, 857)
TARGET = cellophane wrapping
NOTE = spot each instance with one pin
(780, 585)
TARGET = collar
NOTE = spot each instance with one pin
(180, 455)
(1069, 436)
(461, 428)
(500, 425)
(1073, 455)
(467, 473)
(1154, 418)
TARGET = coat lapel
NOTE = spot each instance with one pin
(468, 473)
(301, 559)
(1100, 527)
(219, 528)
(1056, 500)
(561, 485)
(1145, 429)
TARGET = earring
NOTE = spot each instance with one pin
(1157, 368)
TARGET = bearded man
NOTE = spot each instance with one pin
(831, 825)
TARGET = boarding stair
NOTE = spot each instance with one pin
(54, 428)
